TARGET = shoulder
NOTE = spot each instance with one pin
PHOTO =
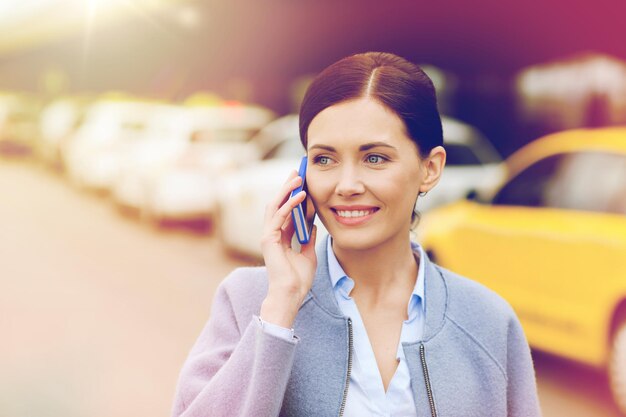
(244, 289)
(487, 320)
(480, 313)
(245, 280)
(468, 296)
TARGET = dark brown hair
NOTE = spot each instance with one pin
(395, 82)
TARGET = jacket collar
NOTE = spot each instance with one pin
(435, 291)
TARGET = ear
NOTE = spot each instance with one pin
(432, 167)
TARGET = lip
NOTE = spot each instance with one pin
(354, 221)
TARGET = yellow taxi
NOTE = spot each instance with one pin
(552, 241)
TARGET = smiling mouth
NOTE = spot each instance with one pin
(354, 213)
(355, 217)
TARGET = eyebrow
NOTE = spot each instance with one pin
(362, 148)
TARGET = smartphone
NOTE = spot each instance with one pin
(302, 223)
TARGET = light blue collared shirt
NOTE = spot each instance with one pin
(366, 395)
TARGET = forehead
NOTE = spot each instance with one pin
(355, 122)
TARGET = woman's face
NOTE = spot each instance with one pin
(364, 173)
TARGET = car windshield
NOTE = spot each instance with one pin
(458, 154)
(589, 181)
(584, 181)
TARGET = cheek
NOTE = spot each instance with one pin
(393, 181)
(316, 185)
(399, 189)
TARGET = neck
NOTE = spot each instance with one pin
(387, 268)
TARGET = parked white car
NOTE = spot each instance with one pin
(162, 145)
(58, 120)
(18, 123)
(86, 158)
(184, 188)
(472, 165)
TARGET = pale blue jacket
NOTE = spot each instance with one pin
(473, 359)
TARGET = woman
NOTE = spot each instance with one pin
(366, 325)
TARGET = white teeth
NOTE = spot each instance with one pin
(354, 213)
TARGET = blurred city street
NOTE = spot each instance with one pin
(141, 140)
(98, 311)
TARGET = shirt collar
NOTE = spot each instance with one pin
(344, 284)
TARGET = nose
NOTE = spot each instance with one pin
(350, 182)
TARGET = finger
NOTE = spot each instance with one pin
(280, 216)
(291, 184)
(288, 231)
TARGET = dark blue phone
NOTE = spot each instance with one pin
(302, 224)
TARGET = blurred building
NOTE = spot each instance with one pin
(583, 90)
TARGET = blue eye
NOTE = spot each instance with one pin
(375, 159)
(322, 160)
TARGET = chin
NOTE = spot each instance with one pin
(356, 239)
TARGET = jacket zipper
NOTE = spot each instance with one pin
(429, 390)
(345, 391)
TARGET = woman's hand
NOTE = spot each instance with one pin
(290, 273)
